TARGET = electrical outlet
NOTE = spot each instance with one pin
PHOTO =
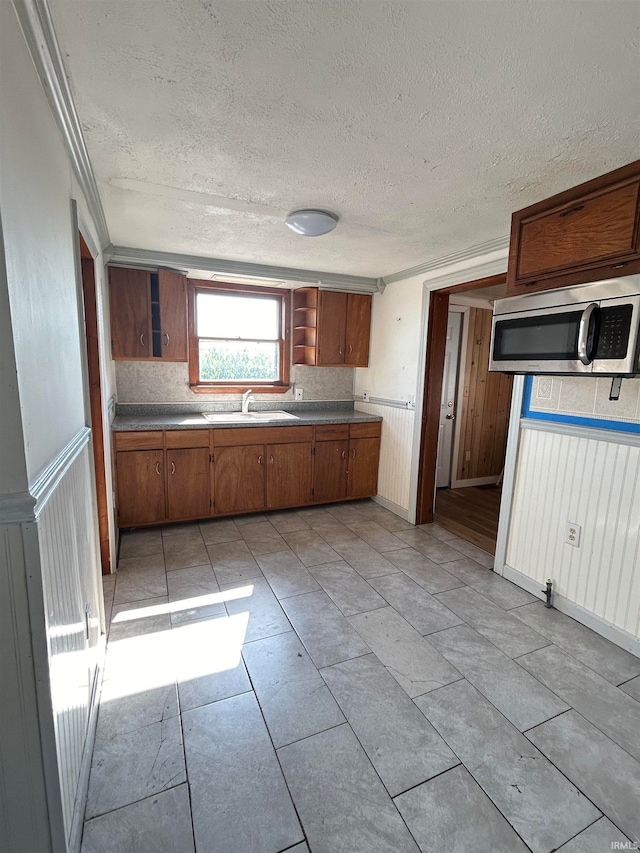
(574, 532)
(365, 396)
(299, 393)
(411, 401)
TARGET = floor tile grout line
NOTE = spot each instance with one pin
(273, 746)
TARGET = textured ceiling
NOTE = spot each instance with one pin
(423, 125)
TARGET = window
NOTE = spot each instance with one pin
(238, 338)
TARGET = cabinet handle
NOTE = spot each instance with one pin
(340, 351)
(353, 453)
(271, 460)
(157, 467)
(166, 335)
(142, 343)
(260, 459)
(571, 210)
(173, 467)
(344, 454)
(350, 348)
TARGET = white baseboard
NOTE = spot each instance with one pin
(395, 508)
(75, 836)
(478, 481)
(606, 629)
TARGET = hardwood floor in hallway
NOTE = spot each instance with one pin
(471, 513)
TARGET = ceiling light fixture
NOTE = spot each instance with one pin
(311, 223)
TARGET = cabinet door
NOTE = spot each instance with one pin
(358, 329)
(332, 327)
(188, 487)
(330, 470)
(364, 455)
(288, 474)
(173, 315)
(239, 478)
(130, 309)
(140, 476)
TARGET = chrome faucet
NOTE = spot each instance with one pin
(247, 398)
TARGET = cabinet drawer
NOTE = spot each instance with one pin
(588, 230)
(332, 432)
(261, 435)
(187, 438)
(366, 430)
(138, 440)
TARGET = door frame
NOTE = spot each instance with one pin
(93, 380)
(453, 309)
(463, 310)
(437, 317)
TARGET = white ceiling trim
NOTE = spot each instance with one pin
(330, 281)
(500, 244)
(37, 26)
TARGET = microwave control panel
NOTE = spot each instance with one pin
(613, 331)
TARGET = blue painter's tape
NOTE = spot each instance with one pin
(552, 417)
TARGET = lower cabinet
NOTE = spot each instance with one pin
(188, 483)
(140, 487)
(363, 467)
(239, 478)
(180, 475)
(288, 475)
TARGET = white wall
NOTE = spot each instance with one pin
(49, 567)
(593, 480)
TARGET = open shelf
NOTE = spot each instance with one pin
(305, 325)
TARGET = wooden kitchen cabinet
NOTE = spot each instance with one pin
(189, 474)
(141, 487)
(288, 475)
(331, 329)
(188, 483)
(364, 454)
(588, 233)
(239, 478)
(148, 315)
(330, 471)
(130, 307)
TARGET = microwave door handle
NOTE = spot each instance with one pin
(583, 333)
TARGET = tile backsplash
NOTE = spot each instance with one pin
(168, 382)
(586, 396)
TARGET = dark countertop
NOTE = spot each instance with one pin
(192, 420)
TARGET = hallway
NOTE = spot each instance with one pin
(335, 679)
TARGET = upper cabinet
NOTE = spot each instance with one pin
(148, 315)
(331, 329)
(588, 233)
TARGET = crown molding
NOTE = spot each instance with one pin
(472, 253)
(37, 27)
(330, 281)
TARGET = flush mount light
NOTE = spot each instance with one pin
(311, 223)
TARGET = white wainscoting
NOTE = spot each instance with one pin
(395, 452)
(71, 588)
(565, 475)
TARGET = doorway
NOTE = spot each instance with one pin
(465, 415)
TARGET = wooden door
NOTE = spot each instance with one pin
(358, 329)
(364, 456)
(239, 478)
(130, 309)
(173, 315)
(288, 474)
(332, 328)
(330, 471)
(140, 476)
(188, 487)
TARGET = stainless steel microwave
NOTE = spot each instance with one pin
(593, 329)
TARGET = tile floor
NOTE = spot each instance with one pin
(336, 680)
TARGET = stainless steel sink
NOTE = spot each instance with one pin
(247, 417)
